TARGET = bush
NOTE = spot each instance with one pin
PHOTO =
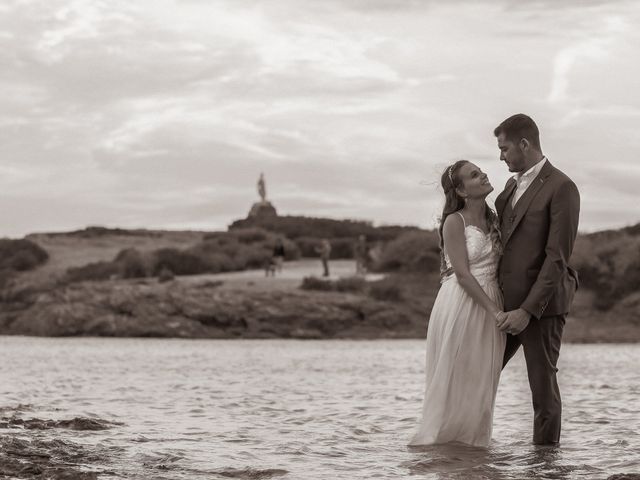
(386, 290)
(343, 285)
(179, 262)
(165, 275)
(250, 235)
(308, 246)
(132, 263)
(350, 284)
(98, 231)
(342, 247)
(609, 264)
(411, 252)
(295, 227)
(315, 283)
(219, 263)
(93, 271)
(21, 255)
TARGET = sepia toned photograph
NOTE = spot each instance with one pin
(319, 240)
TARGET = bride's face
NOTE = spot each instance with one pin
(475, 183)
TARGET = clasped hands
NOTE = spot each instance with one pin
(514, 321)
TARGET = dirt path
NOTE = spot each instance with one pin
(290, 277)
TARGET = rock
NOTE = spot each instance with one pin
(262, 209)
(127, 308)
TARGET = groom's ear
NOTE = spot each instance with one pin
(524, 144)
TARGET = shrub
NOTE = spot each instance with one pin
(350, 284)
(165, 275)
(179, 262)
(315, 283)
(413, 251)
(295, 227)
(347, 284)
(132, 263)
(342, 247)
(219, 263)
(386, 290)
(250, 235)
(93, 271)
(98, 231)
(608, 263)
(308, 246)
(21, 255)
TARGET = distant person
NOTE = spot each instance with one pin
(360, 254)
(270, 266)
(278, 255)
(324, 249)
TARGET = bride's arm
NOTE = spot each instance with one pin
(456, 248)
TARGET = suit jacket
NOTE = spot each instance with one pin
(538, 237)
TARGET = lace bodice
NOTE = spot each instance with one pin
(483, 260)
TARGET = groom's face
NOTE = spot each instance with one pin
(511, 154)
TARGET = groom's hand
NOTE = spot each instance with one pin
(516, 321)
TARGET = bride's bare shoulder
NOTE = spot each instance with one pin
(453, 223)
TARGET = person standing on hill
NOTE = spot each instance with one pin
(538, 213)
(324, 249)
(278, 255)
(360, 254)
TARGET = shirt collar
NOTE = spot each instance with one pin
(532, 172)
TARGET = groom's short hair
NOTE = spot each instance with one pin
(517, 127)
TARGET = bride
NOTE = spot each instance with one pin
(464, 345)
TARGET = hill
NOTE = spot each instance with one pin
(82, 278)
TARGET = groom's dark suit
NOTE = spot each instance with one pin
(538, 234)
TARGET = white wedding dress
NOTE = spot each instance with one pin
(464, 355)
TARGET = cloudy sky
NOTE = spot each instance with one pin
(162, 114)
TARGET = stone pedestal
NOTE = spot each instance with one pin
(262, 209)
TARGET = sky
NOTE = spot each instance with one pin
(162, 114)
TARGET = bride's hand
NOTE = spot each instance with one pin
(500, 318)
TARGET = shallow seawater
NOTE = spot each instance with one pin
(181, 409)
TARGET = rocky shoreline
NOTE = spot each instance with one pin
(147, 308)
(26, 454)
(184, 308)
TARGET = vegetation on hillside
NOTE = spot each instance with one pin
(608, 262)
(19, 256)
(416, 251)
(217, 252)
(307, 232)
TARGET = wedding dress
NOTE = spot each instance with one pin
(464, 355)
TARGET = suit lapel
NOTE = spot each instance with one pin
(523, 203)
(503, 198)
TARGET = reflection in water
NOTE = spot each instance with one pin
(458, 461)
(450, 460)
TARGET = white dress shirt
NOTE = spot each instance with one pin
(524, 180)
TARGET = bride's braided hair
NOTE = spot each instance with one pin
(453, 202)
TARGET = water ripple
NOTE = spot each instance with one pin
(299, 410)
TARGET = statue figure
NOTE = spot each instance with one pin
(262, 188)
(263, 208)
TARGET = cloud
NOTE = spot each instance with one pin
(163, 113)
(595, 47)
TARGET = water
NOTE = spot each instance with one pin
(304, 409)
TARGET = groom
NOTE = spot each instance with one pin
(538, 213)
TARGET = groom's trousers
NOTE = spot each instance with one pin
(541, 344)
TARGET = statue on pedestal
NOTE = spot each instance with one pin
(262, 188)
(263, 208)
